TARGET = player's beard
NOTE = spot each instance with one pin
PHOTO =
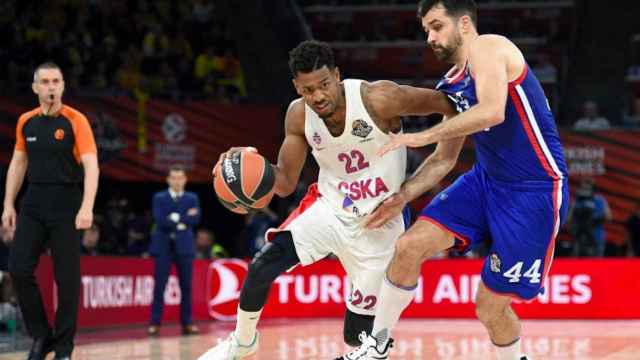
(446, 53)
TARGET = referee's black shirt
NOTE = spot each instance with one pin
(54, 145)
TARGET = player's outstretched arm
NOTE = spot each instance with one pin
(432, 170)
(488, 60)
(390, 100)
(293, 151)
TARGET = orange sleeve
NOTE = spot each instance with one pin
(20, 143)
(85, 143)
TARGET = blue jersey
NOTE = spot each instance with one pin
(516, 193)
(526, 146)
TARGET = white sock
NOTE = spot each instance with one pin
(391, 303)
(509, 352)
(246, 326)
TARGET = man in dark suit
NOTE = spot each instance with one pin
(175, 212)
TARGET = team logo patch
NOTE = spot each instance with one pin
(316, 138)
(59, 134)
(495, 263)
(361, 128)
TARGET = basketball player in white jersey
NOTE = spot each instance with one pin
(344, 123)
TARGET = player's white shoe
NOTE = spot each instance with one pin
(369, 350)
(230, 349)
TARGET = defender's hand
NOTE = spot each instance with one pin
(410, 140)
(387, 210)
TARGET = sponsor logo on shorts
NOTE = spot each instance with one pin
(495, 263)
(361, 128)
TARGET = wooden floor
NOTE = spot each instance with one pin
(322, 339)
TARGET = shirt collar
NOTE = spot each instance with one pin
(175, 194)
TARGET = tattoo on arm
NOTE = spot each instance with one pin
(364, 93)
(386, 125)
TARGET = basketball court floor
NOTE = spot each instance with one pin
(416, 339)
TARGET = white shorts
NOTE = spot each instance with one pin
(364, 254)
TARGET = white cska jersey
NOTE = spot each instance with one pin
(353, 179)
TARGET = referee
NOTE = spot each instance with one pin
(55, 148)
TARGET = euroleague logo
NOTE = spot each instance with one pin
(174, 128)
(224, 282)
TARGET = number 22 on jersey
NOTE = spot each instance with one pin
(354, 161)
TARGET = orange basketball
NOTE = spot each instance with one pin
(244, 181)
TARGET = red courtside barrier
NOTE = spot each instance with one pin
(118, 291)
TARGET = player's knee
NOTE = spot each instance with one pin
(411, 247)
(487, 311)
(484, 313)
(261, 270)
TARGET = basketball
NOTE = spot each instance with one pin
(244, 181)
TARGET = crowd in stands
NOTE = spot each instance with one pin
(161, 48)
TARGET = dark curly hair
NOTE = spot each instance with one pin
(454, 8)
(310, 55)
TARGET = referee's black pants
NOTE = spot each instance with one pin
(47, 220)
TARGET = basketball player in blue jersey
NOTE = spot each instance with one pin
(516, 194)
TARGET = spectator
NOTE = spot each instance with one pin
(138, 235)
(587, 216)
(202, 10)
(207, 248)
(591, 119)
(257, 223)
(117, 215)
(633, 231)
(632, 120)
(90, 39)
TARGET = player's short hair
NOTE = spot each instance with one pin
(309, 56)
(45, 65)
(454, 8)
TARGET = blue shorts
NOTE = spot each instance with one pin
(521, 220)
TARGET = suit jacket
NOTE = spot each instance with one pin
(166, 231)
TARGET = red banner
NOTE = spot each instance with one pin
(139, 140)
(119, 291)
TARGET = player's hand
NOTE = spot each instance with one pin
(410, 140)
(229, 152)
(9, 219)
(84, 219)
(387, 210)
